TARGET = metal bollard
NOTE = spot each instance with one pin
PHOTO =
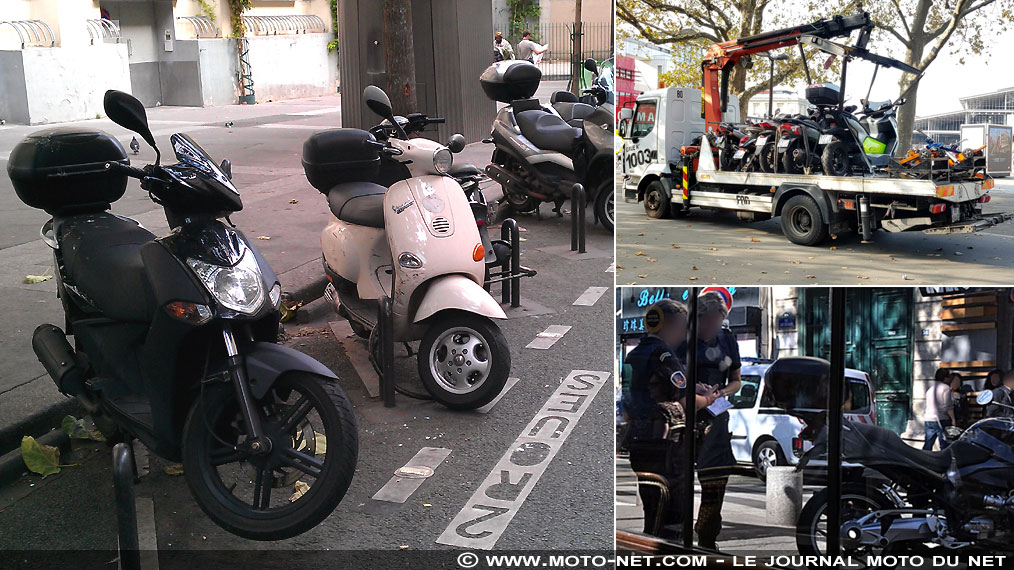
(784, 495)
(509, 231)
(578, 204)
(385, 320)
(126, 510)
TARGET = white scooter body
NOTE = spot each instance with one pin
(426, 216)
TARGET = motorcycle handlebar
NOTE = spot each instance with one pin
(127, 169)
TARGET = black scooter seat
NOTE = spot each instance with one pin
(359, 203)
(547, 131)
(574, 113)
(102, 257)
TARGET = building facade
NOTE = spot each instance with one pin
(58, 57)
(996, 108)
(784, 101)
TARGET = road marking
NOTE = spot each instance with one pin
(324, 111)
(548, 337)
(995, 235)
(147, 541)
(295, 127)
(510, 384)
(611, 268)
(485, 516)
(358, 355)
(590, 296)
(399, 489)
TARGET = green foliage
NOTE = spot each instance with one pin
(236, 9)
(207, 9)
(523, 14)
(41, 459)
(332, 46)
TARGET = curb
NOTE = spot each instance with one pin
(11, 464)
(304, 283)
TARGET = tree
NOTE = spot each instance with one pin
(690, 27)
(399, 55)
(925, 28)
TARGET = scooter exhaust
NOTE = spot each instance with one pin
(57, 356)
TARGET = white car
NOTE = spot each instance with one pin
(764, 435)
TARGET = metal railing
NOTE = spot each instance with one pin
(33, 33)
(204, 27)
(596, 42)
(275, 25)
(103, 30)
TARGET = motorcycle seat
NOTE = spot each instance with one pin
(562, 97)
(359, 203)
(102, 257)
(889, 446)
(464, 169)
(548, 131)
(574, 113)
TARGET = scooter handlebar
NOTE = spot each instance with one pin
(127, 169)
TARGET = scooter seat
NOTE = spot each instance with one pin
(562, 97)
(548, 131)
(574, 113)
(102, 257)
(359, 203)
(464, 169)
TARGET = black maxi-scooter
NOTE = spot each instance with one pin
(175, 337)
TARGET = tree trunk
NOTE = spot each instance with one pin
(906, 113)
(399, 55)
(577, 66)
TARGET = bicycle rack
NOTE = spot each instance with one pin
(578, 204)
(34, 33)
(275, 25)
(103, 30)
(511, 270)
(385, 320)
(203, 26)
(124, 475)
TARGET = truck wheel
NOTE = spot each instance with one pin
(655, 203)
(835, 159)
(802, 222)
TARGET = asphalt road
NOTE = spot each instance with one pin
(714, 247)
(565, 508)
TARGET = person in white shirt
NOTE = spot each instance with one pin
(527, 49)
(939, 413)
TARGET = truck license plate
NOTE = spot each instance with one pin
(761, 141)
(782, 143)
(825, 139)
(739, 154)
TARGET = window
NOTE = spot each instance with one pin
(644, 119)
(857, 398)
(746, 397)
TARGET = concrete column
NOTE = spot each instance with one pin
(784, 495)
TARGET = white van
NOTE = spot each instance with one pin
(764, 435)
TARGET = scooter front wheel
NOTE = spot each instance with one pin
(291, 488)
(464, 360)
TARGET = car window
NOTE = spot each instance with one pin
(644, 119)
(746, 397)
(857, 398)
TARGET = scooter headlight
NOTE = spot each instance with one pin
(240, 287)
(442, 159)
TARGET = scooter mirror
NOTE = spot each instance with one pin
(456, 143)
(984, 397)
(227, 168)
(378, 102)
(590, 65)
(125, 110)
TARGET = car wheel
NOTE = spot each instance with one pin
(767, 454)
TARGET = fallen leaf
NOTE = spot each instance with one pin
(427, 505)
(264, 237)
(75, 428)
(811, 276)
(862, 276)
(293, 201)
(640, 234)
(652, 260)
(692, 278)
(41, 459)
(694, 268)
(795, 262)
(640, 253)
(299, 489)
(713, 249)
(33, 279)
(754, 240)
(618, 266)
(320, 444)
(523, 239)
(643, 276)
(834, 248)
(173, 469)
(675, 246)
(403, 547)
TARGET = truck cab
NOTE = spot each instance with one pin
(662, 121)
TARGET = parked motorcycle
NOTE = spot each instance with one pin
(895, 498)
(175, 337)
(538, 155)
(416, 243)
(862, 144)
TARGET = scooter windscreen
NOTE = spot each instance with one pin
(190, 153)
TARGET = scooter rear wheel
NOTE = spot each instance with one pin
(252, 495)
(463, 360)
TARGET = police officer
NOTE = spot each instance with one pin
(650, 451)
(718, 372)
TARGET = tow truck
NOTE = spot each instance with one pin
(665, 166)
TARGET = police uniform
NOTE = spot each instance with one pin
(716, 360)
(650, 361)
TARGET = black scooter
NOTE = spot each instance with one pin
(175, 337)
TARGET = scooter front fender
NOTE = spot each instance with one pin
(266, 361)
(460, 293)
